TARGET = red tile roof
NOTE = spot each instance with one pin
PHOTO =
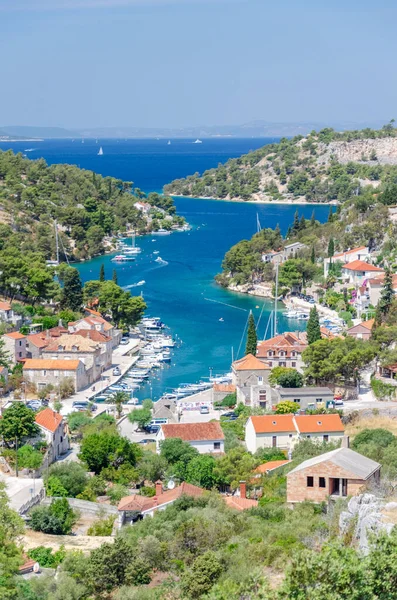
(49, 419)
(319, 423)
(288, 342)
(51, 364)
(250, 363)
(5, 306)
(273, 423)
(15, 335)
(93, 334)
(352, 251)
(141, 503)
(193, 432)
(270, 465)
(224, 387)
(360, 265)
(240, 503)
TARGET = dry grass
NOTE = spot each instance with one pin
(86, 543)
(373, 422)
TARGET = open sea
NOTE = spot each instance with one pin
(182, 291)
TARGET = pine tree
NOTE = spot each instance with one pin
(331, 247)
(313, 256)
(72, 293)
(313, 327)
(302, 223)
(251, 336)
(114, 276)
(330, 215)
(277, 230)
(386, 298)
(295, 225)
(313, 218)
(102, 273)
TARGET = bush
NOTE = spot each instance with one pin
(137, 572)
(70, 475)
(56, 519)
(205, 571)
(379, 437)
(102, 527)
(46, 558)
(76, 420)
(286, 407)
(382, 391)
(29, 458)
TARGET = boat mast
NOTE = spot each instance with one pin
(56, 240)
(275, 304)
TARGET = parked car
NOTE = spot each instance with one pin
(81, 405)
(116, 372)
(146, 441)
(204, 410)
(34, 404)
(152, 428)
(124, 341)
(229, 415)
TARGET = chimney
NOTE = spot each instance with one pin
(345, 442)
(243, 489)
(159, 488)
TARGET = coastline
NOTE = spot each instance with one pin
(299, 202)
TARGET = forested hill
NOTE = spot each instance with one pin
(88, 208)
(321, 167)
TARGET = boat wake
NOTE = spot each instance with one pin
(132, 285)
(30, 149)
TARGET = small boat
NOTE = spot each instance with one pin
(169, 143)
(100, 152)
(291, 314)
(198, 141)
(222, 319)
(122, 258)
(156, 251)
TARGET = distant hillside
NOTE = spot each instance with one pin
(25, 132)
(320, 167)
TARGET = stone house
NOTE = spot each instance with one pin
(15, 345)
(362, 331)
(357, 272)
(336, 474)
(72, 346)
(36, 342)
(305, 397)
(251, 377)
(94, 320)
(371, 291)
(292, 250)
(284, 350)
(42, 371)
(166, 409)
(54, 429)
(348, 256)
(284, 431)
(207, 438)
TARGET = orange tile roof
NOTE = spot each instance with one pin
(51, 364)
(142, 503)
(368, 324)
(70, 342)
(224, 387)
(352, 251)
(270, 465)
(360, 265)
(250, 363)
(5, 306)
(319, 423)
(49, 419)
(93, 334)
(15, 335)
(287, 342)
(240, 503)
(273, 423)
(193, 432)
(95, 321)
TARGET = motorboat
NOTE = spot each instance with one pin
(122, 258)
(161, 231)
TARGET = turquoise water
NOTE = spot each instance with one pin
(182, 292)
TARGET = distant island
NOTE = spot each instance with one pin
(325, 166)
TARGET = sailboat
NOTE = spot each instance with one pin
(169, 143)
(100, 153)
(198, 141)
(131, 250)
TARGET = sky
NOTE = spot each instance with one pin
(178, 63)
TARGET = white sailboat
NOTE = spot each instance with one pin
(198, 141)
(169, 143)
(100, 153)
(131, 250)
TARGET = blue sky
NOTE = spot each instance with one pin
(86, 63)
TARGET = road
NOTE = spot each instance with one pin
(20, 489)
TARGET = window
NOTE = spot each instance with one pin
(20, 343)
(293, 353)
(20, 354)
(319, 400)
(281, 353)
(262, 395)
(270, 353)
(290, 435)
(270, 363)
(44, 373)
(325, 438)
(274, 441)
(217, 445)
(282, 363)
(297, 400)
(310, 482)
(293, 364)
(260, 380)
(308, 436)
(321, 482)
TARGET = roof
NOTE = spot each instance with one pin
(43, 338)
(319, 423)
(95, 321)
(5, 306)
(304, 391)
(379, 281)
(142, 503)
(287, 341)
(15, 335)
(352, 251)
(70, 342)
(273, 423)
(51, 364)
(224, 387)
(366, 324)
(93, 334)
(250, 363)
(192, 432)
(270, 465)
(360, 265)
(49, 419)
(240, 503)
(353, 462)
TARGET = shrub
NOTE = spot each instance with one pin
(137, 572)
(205, 571)
(46, 558)
(77, 420)
(56, 519)
(382, 391)
(29, 458)
(102, 527)
(286, 407)
(70, 475)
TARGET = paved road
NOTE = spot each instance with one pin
(20, 489)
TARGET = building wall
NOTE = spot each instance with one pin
(15, 348)
(305, 400)
(59, 439)
(333, 436)
(203, 447)
(93, 361)
(359, 332)
(37, 376)
(32, 351)
(297, 490)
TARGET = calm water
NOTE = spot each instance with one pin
(182, 292)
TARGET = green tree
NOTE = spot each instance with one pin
(56, 519)
(106, 567)
(102, 273)
(140, 416)
(77, 420)
(120, 398)
(101, 450)
(18, 422)
(29, 458)
(11, 527)
(286, 377)
(138, 572)
(313, 326)
(200, 471)
(331, 248)
(205, 571)
(114, 277)
(330, 215)
(178, 454)
(252, 339)
(235, 466)
(152, 467)
(71, 475)
(313, 219)
(286, 407)
(313, 256)
(5, 357)
(386, 298)
(72, 295)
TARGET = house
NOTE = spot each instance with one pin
(36, 342)
(284, 431)
(291, 250)
(166, 409)
(15, 345)
(42, 371)
(335, 474)
(205, 437)
(250, 376)
(373, 288)
(7, 315)
(96, 322)
(348, 256)
(284, 350)
(276, 258)
(143, 207)
(362, 331)
(388, 372)
(268, 467)
(54, 429)
(240, 501)
(280, 256)
(221, 390)
(306, 397)
(132, 506)
(358, 271)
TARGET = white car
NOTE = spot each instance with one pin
(116, 372)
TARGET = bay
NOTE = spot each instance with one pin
(182, 291)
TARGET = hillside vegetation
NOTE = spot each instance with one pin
(327, 166)
(88, 208)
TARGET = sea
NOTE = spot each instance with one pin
(208, 321)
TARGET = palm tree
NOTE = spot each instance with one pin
(119, 399)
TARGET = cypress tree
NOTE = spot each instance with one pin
(114, 277)
(295, 225)
(386, 298)
(313, 256)
(313, 218)
(302, 223)
(251, 336)
(72, 293)
(330, 215)
(313, 326)
(102, 273)
(331, 247)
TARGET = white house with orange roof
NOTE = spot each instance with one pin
(54, 429)
(348, 256)
(206, 437)
(251, 378)
(372, 289)
(15, 345)
(94, 321)
(358, 272)
(42, 371)
(284, 350)
(7, 314)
